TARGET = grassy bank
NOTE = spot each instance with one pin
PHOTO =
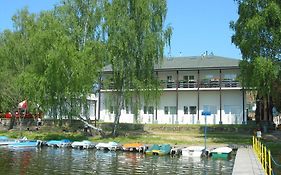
(149, 134)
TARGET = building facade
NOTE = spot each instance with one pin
(190, 85)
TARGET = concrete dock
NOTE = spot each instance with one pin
(247, 163)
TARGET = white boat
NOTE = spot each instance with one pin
(85, 144)
(111, 146)
(193, 151)
(221, 152)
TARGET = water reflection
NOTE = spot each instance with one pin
(72, 161)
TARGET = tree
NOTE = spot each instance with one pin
(135, 42)
(55, 56)
(257, 35)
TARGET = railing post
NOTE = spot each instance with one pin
(265, 159)
(269, 163)
(262, 158)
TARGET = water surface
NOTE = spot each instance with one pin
(71, 161)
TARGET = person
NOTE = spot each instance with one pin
(39, 121)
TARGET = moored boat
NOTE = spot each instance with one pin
(4, 141)
(159, 150)
(164, 150)
(85, 144)
(59, 143)
(221, 152)
(193, 151)
(150, 149)
(134, 147)
(111, 146)
(24, 144)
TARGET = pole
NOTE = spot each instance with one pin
(205, 133)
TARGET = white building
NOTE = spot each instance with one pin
(191, 85)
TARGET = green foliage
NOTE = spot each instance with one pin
(52, 58)
(257, 35)
(136, 37)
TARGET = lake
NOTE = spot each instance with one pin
(53, 161)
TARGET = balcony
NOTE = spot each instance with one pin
(215, 83)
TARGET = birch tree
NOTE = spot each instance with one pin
(136, 37)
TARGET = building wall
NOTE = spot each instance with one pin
(231, 104)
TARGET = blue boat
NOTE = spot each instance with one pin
(4, 141)
(59, 143)
(24, 144)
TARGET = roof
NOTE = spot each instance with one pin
(194, 63)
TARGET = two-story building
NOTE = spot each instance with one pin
(191, 85)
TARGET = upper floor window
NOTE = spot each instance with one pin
(169, 78)
(189, 78)
(230, 76)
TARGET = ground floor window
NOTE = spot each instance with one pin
(185, 109)
(148, 110)
(170, 110)
(192, 109)
(111, 109)
(189, 110)
(210, 108)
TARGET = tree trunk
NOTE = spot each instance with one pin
(120, 101)
(12, 122)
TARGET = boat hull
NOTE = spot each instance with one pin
(193, 151)
(24, 144)
(220, 155)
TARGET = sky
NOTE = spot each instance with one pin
(198, 25)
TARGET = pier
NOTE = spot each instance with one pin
(246, 163)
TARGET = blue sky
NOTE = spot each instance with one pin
(198, 25)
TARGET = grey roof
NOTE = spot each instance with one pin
(194, 63)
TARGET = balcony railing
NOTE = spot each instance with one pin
(203, 84)
(193, 84)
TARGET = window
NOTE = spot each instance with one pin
(230, 76)
(185, 109)
(188, 78)
(150, 110)
(145, 109)
(166, 110)
(111, 109)
(170, 110)
(127, 109)
(169, 78)
(210, 108)
(173, 110)
(192, 109)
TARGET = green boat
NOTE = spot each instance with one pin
(159, 150)
(221, 153)
(150, 149)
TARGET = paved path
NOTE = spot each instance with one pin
(247, 163)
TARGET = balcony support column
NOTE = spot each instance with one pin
(156, 110)
(243, 103)
(198, 95)
(220, 100)
(177, 97)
